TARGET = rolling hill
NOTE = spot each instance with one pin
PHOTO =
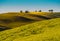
(16, 19)
(47, 30)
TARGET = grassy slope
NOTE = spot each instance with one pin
(11, 17)
(48, 30)
(11, 14)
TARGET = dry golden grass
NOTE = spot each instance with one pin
(48, 30)
(11, 15)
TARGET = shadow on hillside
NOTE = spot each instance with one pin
(54, 15)
(16, 19)
(40, 16)
(43, 17)
(22, 19)
(2, 28)
(5, 20)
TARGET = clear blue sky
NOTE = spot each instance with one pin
(17, 5)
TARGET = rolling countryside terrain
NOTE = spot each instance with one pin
(48, 30)
(16, 19)
(31, 26)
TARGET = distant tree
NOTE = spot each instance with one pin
(51, 10)
(35, 10)
(21, 11)
(26, 11)
(40, 11)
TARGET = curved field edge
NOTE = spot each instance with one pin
(46, 30)
(17, 19)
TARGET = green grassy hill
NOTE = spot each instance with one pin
(17, 19)
(47, 30)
